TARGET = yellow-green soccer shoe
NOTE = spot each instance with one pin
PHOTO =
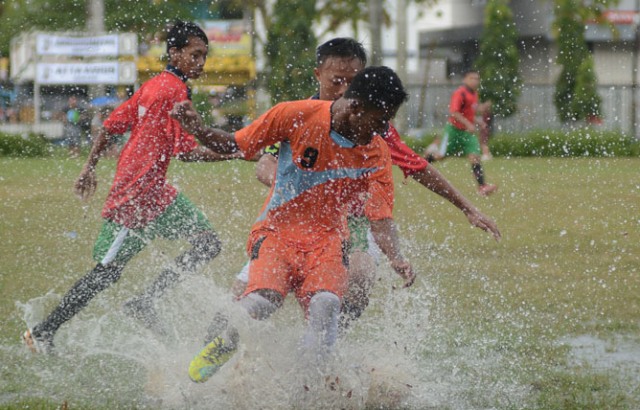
(210, 359)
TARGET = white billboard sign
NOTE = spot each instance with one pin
(86, 73)
(51, 44)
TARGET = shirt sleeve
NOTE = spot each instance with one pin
(379, 204)
(403, 156)
(266, 130)
(122, 118)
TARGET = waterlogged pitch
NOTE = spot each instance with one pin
(547, 318)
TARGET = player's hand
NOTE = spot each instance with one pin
(485, 223)
(187, 116)
(405, 270)
(471, 127)
(86, 184)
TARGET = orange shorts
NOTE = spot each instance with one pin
(284, 267)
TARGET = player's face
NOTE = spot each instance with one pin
(368, 122)
(335, 74)
(191, 58)
(472, 80)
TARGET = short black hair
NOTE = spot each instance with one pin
(378, 87)
(179, 34)
(340, 47)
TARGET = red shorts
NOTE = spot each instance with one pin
(284, 267)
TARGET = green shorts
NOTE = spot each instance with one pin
(358, 228)
(459, 142)
(119, 244)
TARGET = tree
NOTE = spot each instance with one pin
(141, 17)
(586, 100)
(290, 50)
(576, 95)
(499, 59)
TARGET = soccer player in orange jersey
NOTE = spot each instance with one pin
(328, 150)
(337, 62)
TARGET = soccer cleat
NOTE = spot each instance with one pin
(36, 345)
(210, 359)
(487, 189)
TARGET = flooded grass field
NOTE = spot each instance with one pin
(548, 318)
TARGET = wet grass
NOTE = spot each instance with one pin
(568, 265)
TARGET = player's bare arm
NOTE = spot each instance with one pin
(204, 154)
(432, 179)
(471, 127)
(215, 139)
(87, 182)
(266, 169)
(385, 233)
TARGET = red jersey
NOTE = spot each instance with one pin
(319, 171)
(465, 101)
(403, 156)
(140, 191)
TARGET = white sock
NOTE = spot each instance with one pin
(322, 329)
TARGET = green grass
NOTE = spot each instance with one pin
(568, 265)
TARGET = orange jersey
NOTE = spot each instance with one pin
(320, 173)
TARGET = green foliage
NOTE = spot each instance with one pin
(586, 142)
(203, 106)
(575, 97)
(586, 100)
(30, 145)
(499, 59)
(141, 17)
(290, 50)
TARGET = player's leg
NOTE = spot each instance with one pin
(115, 246)
(472, 149)
(240, 283)
(322, 330)
(325, 282)
(362, 270)
(266, 289)
(180, 220)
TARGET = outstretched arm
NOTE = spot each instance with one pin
(87, 182)
(217, 140)
(385, 233)
(432, 179)
(204, 154)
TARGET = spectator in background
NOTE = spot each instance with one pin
(72, 129)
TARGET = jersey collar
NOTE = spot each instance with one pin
(176, 71)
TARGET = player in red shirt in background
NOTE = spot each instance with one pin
(141, 204)
(337, 62)
(459, 134)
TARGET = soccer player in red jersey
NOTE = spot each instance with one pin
(459, 133)
(328, 149)
(141, 204)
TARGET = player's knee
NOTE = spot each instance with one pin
(208, 245)
(261, 304)
(324, 304)
(102, 276)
